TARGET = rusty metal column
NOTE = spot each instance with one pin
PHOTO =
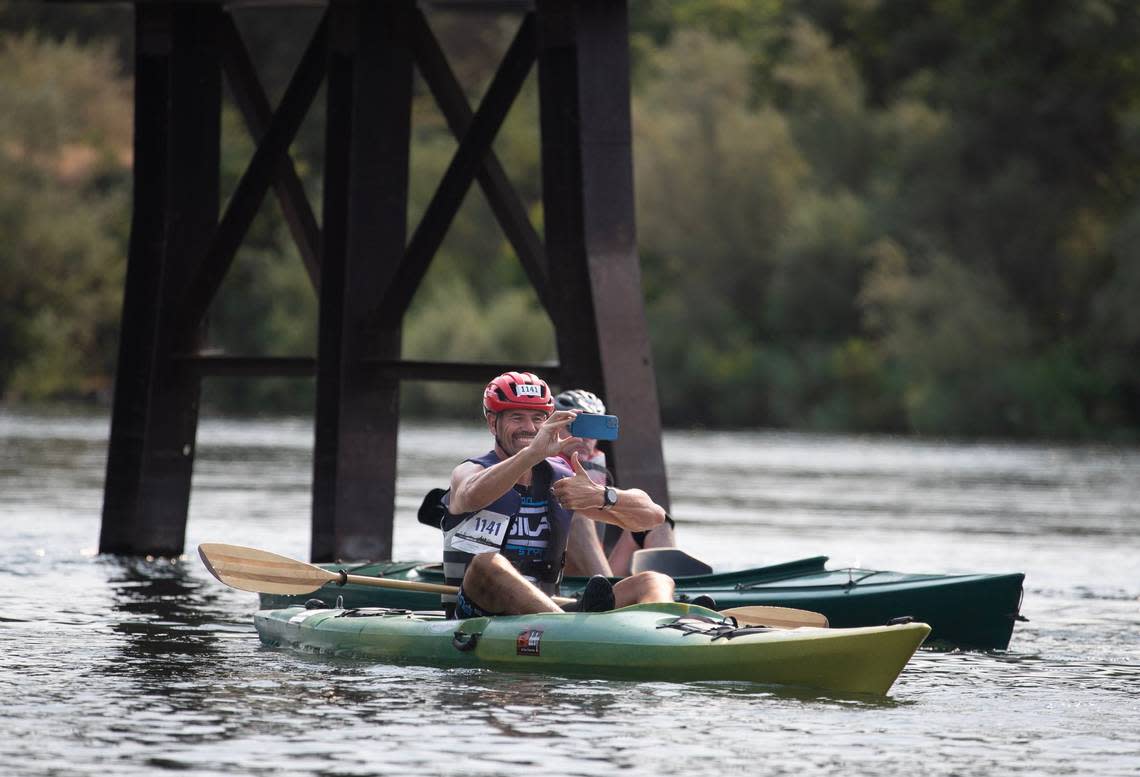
(364, 231)
(175, 210)
(591, 242)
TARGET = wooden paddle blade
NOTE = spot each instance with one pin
(780, 617)
(260, 571)
(263, 572)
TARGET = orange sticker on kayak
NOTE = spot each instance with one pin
(528, 642)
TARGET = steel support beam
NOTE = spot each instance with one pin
(364, 231)
(501, 197)
(271, 153)
(591, 244)
(465, 165)
(255, 109)
(587, 274)
(176, 179)
(210, 365)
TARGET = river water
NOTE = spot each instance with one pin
(131, 667)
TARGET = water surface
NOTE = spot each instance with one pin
(131, 667)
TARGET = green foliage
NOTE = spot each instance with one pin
(63, 190)
(754, 25)
(946, 263)
(475, 303)
(450, 322)
(956, 335)
(852, 214)
(717, 182)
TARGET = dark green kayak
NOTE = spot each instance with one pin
(972, 611)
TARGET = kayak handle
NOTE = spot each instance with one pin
(463, 642)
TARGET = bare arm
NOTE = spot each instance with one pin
(474, 487)
(584, 553)
(634, 510)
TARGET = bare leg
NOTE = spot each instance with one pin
(497, 586)
(661, 536)
(622, 554)
(584, 555)
(643, 588)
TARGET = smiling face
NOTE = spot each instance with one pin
(514, 429)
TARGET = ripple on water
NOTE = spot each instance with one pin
(132, 667)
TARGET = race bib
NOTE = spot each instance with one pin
(480, 533)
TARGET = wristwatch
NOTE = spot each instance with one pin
(609, 499)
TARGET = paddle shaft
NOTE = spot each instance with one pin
(259, 571)
(776, 617)
(411, 585)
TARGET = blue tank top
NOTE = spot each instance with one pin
(535, 537)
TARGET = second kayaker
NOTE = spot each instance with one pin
(509, 512)
(586, 554)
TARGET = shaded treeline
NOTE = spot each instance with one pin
(852, 215)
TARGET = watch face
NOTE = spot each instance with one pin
(611, 496)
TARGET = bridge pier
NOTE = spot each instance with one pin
(176, 178)
(360, 256)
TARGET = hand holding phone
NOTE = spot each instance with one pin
(594, 426)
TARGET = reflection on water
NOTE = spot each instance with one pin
(165, 616)
(131, 667)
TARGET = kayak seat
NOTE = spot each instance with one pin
(673, 562)
(432, 511)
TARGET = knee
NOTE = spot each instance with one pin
(644, 587)
(654, 581)
(485, 565)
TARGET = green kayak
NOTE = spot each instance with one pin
(655, 642)
(975, 611)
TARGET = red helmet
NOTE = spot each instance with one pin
(517, 391)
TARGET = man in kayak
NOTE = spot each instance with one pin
(509, 511)
(585, 552)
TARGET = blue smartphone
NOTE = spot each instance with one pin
(595, 426)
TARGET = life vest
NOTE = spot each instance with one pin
(595, 467)
(495, 526)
